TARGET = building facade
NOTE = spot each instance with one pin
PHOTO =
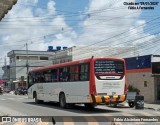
(83, 52)
(21, 62)
(6, 78)
(143, 73)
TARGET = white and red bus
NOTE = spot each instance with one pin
(89, 81)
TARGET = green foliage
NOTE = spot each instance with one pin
(133, 89)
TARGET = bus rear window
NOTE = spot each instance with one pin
(109, 67)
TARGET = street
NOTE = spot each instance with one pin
(20, 105)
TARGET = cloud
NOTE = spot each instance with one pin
(101, 23)
(29, 2)
(51, 7)
(20, 26)
(111, 23)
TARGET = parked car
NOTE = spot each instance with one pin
(6, 89)
(21, 90)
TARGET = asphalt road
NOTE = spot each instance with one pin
(20, 105)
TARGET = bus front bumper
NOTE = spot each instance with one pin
(108, 99)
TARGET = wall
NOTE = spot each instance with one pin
(137, 80)
(139, 75)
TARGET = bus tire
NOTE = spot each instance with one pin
(131, 104)
(37, 101)
(89, 105)
(62, 100)
(115, 105)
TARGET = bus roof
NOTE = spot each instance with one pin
(70, 63)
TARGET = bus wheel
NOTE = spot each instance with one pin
(89, 105)
(62, 100)
(36, 99)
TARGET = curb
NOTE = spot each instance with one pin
(156, 109)
(145, 107)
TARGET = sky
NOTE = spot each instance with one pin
(43, 23)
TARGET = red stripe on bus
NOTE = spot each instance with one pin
(139, 70)
(92, 78)
(69, 63)
(126, 84)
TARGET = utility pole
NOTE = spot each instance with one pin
(5, 62)
(27, 66)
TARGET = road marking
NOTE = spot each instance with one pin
(94, 122)
(20, 98)
(11, 98)
(19, 123)
(2, 99)
(69, 121)
(43, 123)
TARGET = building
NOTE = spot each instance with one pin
(82, 52)
(21, 61)
(6, 78)
(143, 72)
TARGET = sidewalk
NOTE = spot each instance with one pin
(146, 106)
(152, 106)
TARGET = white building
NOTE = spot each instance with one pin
(21, 61)
(78, 53)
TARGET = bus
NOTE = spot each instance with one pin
(91, 82)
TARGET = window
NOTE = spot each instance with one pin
(64, 74)
(43, 58)
(46, 77)
(30, 79)
(145, 83)
(84, 72)
(33, 57)
(54, 75)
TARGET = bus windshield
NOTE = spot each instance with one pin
(109, 67)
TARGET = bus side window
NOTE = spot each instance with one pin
(54, 75)
(47, 76)
(30, 79)
(61, 74)
(64, 75)
(84, 72)
(68, 74)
